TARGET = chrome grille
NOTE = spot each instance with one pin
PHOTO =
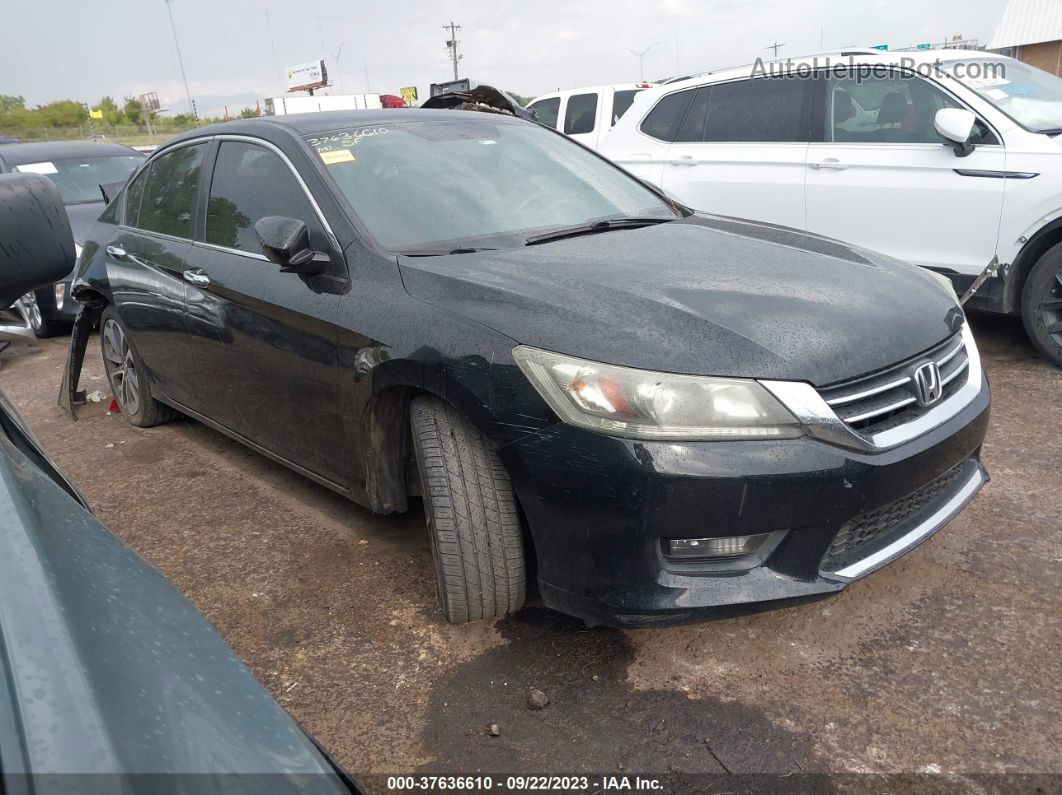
(888, 398)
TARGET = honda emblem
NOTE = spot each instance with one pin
(928, 388)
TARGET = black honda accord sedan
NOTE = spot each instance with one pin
(653, 411)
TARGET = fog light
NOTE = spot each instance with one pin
(715, 548)
(60, 295)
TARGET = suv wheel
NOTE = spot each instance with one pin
(476, 541)
(125, 374)
(1041, 305)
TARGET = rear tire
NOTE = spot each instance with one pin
(476, 540)
(1041, 305)
(126, 375)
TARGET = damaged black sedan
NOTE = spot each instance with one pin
(653, 412)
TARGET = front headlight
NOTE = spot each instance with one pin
(641, 404)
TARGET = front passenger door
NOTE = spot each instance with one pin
(265, 347)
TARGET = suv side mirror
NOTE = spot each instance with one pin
(286, 241)
(36, 245)
(955, 125)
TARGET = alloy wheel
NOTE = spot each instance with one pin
(1051, 308)
(121, 369)
(32, 310)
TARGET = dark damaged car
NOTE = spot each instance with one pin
(649, 411)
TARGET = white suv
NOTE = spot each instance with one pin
(948, 159)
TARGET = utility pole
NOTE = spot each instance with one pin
(776, 47)
(180, 62)
(451, 44)
(641, 59)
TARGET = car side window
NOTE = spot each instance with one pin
(898, 108)
(621, 101)
(249, 183)
(663, 121)
(767, 110)
(133, 194)
(581, 114)
(170, 190)
(692, 128)
(547, 111)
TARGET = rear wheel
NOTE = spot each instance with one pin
(125, 373)
(476, 541)
(1041, 305)
(37, 315)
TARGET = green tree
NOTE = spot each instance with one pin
(62, 113)
(248, 113)
(131, 110)
(9, 103)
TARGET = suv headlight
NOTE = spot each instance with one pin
(642, 404)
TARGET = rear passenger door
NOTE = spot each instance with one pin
(265, 346)
(146, 259)
(741, 149)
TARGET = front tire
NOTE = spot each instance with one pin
(126, 375)
(476, 540)
(1041, 305)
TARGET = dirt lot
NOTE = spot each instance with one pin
(948, 660)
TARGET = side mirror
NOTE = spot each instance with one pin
(955, 125)
(286, 241)
(36, 245)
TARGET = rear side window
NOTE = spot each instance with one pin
(547, 110)
(249, 183)
(170, 190)
(580, 114)
(133, 194)
(622, 100)
(663, 121)
(692, 128)
(763, 110)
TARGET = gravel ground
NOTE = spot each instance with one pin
(945, 661)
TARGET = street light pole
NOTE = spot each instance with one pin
(641, 59)
(180, 62)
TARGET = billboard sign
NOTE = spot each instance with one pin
(409, 94)
(305, 76)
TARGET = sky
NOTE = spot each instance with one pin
(235, 50)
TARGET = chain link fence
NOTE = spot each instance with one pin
(130, 135)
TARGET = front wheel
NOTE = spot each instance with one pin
(1041, 305)
(41, 325)
(476, 541)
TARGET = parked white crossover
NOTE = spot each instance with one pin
(948, 159)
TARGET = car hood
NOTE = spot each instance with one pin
(105, 668)
(703, 295)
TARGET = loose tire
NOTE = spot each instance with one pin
(476, 541)
(1041, 305)
(125, 374)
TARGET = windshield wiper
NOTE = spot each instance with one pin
(594, 228)
(429, 252)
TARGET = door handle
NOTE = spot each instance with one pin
(831, 163)
(197, 277)
(116, 251)
(684, 160)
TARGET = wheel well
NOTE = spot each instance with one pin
(1044, 240)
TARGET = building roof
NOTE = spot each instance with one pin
(1028, 22)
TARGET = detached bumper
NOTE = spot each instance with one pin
(601, 509)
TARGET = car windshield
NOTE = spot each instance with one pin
(1030, 96)
(475, 180)
(79, 178)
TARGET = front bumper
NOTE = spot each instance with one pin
(599, 509)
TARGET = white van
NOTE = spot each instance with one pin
(586, 114)
(950, 159)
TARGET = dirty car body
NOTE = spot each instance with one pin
(478, 280)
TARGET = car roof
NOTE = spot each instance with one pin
(587, 89)
(324, 121)
(820, 60)
(20, 154)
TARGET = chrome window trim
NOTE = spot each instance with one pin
(225, 249)
(940, 517)
(820, 421)
(291, 167)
